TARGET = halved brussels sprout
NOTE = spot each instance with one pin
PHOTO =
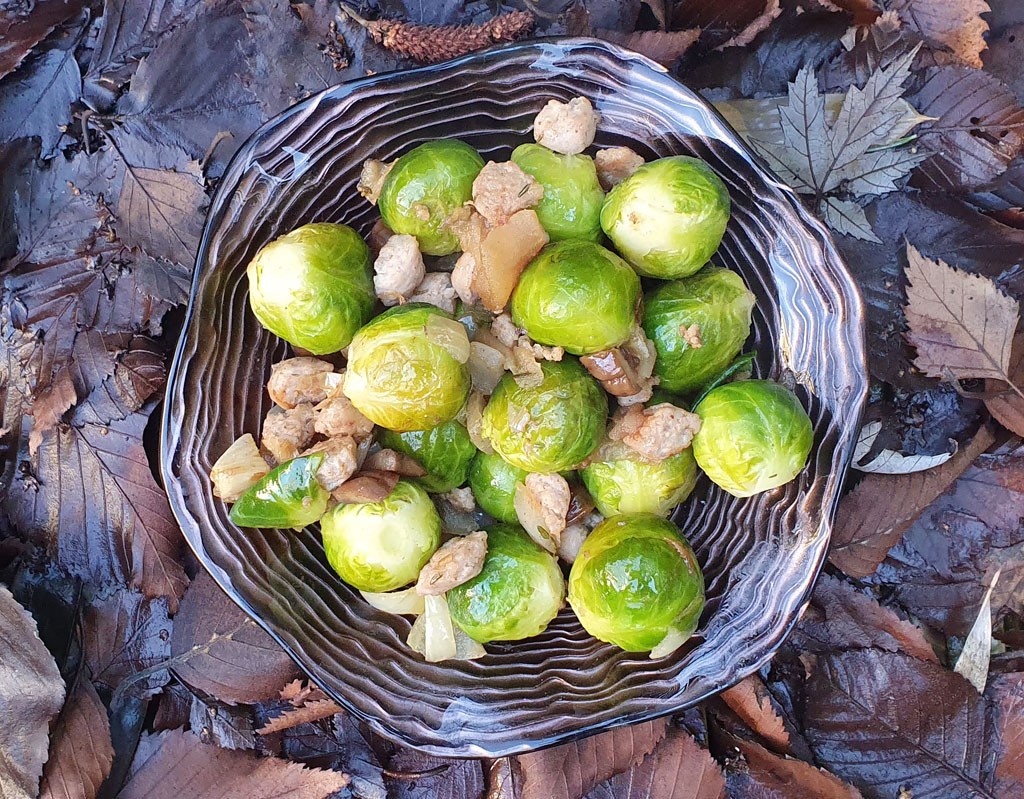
(572, 201)
(518, 592)
(493, 480)
(444, 451)
(401, 378)
(550, 427)
(718, 302)
(623, 483)
(577, 295)
(636, 583)
(289, 496)
(424, 187)
(754, 435)
(313, 287)
(668, 217)
(380, 546)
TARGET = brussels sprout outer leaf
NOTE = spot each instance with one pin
(754, 435)
(313, 287)
(424, 187)
(381, 546)
(445, 451)
(577, 295)
(573, 198)
(398, 378)
(630, 485)
(634, 581)
(742, 363)
(518, 592)
(719, 303)
(289, 496)
(550, 427)
(668, 217)
(493, 481)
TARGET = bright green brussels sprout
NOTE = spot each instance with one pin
(719, 303)
(313, 287)
(493, 480)
(636, 583)
(288, 496)
(549, 427)
(517, 593)
(445, 451)
(754, 435)
(424, 187)
(622, 483)
(668, 217)
(380, 546)
(571, 206)
(577, 295)
(402, 374)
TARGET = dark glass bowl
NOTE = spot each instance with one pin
(760, 555)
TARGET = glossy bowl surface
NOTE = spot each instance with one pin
(760, 556)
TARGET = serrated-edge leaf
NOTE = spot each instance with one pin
(845, 216)
(976, 654)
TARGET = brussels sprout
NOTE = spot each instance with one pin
(719, 303)
(549, 427)
(754, 435)
(668, 217)
(636, 583)
(313, 287)
(571, 206)
(444, 451)
(577, 295)
(380, 546)
(518, 592)
(401, 378)
(424, 187)
(493, 480)
(622, 483)
(289, 496)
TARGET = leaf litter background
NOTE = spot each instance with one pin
(125, 672)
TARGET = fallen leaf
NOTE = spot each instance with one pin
(222, 725)
(423, 12)
(123, 634)
(880, 44)
(665, 47)
(1006, 696)
(886, 721)
(442, 778)
(874, 516)
(22, 28)
(955, 25)
(36, 100)
(771, 11)
(974, 658)
(961, 324)
(31, 694)
(749, 699)
(864, 11)
(679, 768)
(292, 717)
(137, 374)
(339, 743)
(1005, 404)
(175, 764)
(80, 749)
(1003, 57)
(574, 769)
(721, 22)
(49, 405)
(174, 707)
(222, 652)
(978, 130)
(887, 461)
(847, 217)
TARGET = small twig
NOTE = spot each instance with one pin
(415, 775)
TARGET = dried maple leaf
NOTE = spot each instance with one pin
(955, 25)
(81, 751)
(961, 324)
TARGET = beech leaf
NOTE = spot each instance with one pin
(665, 47)
(955, 25)
(771, 12)
(341, 744)
(766, 775)
(174, 764)
(81, 751)
(442, 778)
(961, 324)
(1006, 694)
(749, 699)
(221, 725)
(123, 634)
(975, 656)
(723, 22)
(31, 694)
(37, 99)
(1005, 404)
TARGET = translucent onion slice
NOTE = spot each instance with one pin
(433, 635)
(466, 648)
(449, 334)
(238, 469)
(474, 422)
(403, 603)
(486, 366)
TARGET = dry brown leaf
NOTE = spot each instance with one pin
(772, 9)
(1006, 695)
(864, 11)
(308, 712)
(81, 751)
(176, 765)
(49, 405)
(665, 47)
(961, 324)
(749, 699)
(764, 774)
(1006, 405)
(876, 514)
(955, 25)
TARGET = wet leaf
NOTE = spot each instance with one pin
(874, 516)
(887, 461)
(961, 324)
(222, 652)
(665, 47)
(845, 216)
(765, 775)
(974, 658)
(885, 40)
(721, 22)
(423, 12)
(955, 25)
(36, 100)
(222, 725)
(23, 28)
(1006, 694)
(174, 764)
(80, 749)
(31, 693)
(338, 743)
(442, 778)
(769, 13)
(1003, 57)
(749, 699)
(1005, 404)
(576, 768)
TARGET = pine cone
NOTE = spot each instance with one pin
(428, 44)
